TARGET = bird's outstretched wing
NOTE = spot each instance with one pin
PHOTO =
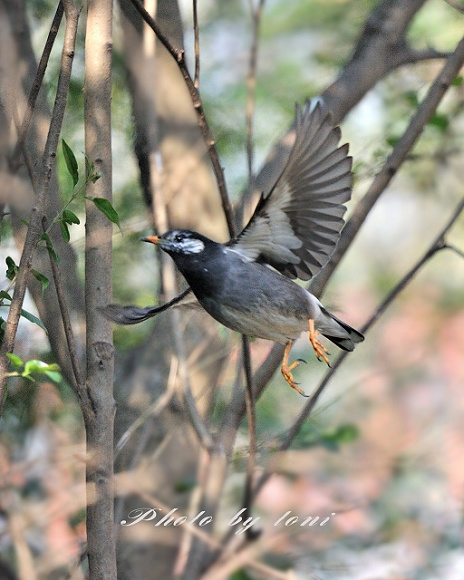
(297, 226)
(135, 314)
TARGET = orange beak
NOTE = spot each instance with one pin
(151, 239)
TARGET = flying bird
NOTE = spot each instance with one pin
(246, 284)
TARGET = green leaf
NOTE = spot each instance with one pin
(412, 98)
(4, 295)
(90, 173)
(15, 359)
(12, 268)
(240, 575)
(28, 316)
(106, 208)
(457, 81)
(70, 217)
(71, 162)
(52, 371)
(54, 376)
(41, 278)
(439, 121)
(64, 231)
(392, 140)
(34, 366)
(340, 435)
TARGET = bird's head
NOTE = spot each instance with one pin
(180, 242)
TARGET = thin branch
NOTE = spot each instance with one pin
(456, 5)
(80, 389)
(251, 533)
(249, 398)
(455, 250)
(34, 230)
(251, 86)
(36, 85)
(410, 55)
(179, 57)
(196, 31)
(153, 410)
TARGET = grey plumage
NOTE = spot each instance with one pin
(247, 284)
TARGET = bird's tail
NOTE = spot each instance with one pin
(338, 332)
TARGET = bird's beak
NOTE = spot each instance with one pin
(151, 239)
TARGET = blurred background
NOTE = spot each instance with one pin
(383, 450)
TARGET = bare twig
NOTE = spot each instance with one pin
(196, 31)
(250, 404)
(251, 86)
(455, 250)
(179, 57)
(81, 391)
(153, 410)
(34, 93)
(34, 230)
(456, 5)
(251, 414)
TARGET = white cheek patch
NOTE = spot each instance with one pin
(192, 246)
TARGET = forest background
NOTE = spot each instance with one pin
(378, 448)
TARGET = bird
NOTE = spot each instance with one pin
(247, 284)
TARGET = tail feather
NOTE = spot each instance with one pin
(341, 333)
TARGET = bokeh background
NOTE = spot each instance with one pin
(384, 449)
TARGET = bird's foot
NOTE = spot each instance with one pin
(287, 374)
(319, 348)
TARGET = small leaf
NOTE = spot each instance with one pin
(28, 316)
(64, 231)
(4, 295)
(12, 268)
(392, 140)
(16, 361)
(71, 162)
(412, 98)
(41, 278)
(54, 376)
(33, 366)
(70, 217)
(439, 121)
(52, 371)
(106, 208)
(90, 174)
(457, 81)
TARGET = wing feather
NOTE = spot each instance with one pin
(297, 226)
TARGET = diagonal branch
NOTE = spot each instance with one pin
(34, 93)
(179, 57)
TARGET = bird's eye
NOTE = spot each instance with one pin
(179, 238)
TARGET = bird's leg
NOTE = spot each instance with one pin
(318, 347)
(286, 369)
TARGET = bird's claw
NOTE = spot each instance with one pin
(320, 350)
(287, 374)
